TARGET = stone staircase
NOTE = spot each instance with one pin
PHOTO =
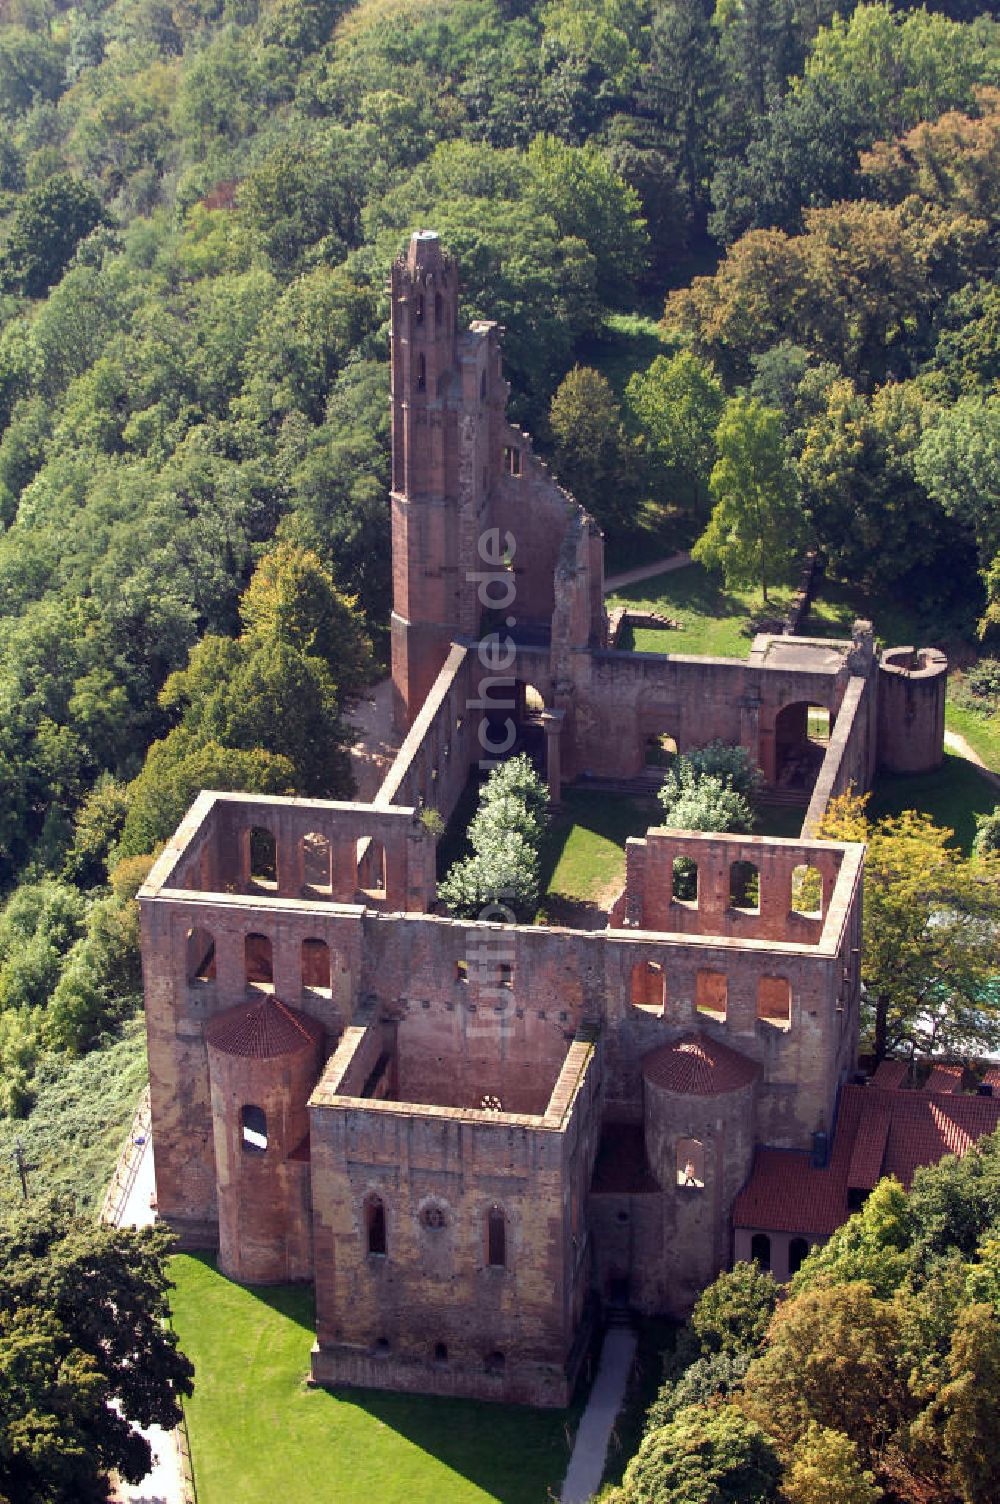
(645, 785)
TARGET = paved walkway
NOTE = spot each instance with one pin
(646, 572)
(586, 1465)
(957, 743)
(164, 1484)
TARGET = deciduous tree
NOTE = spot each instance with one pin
(931, 919)
(755, 531)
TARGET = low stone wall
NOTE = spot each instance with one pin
(844, 764)
(431, 767)
(802, 600)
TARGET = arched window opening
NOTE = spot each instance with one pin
(316, 966)
(691, 1164)
(760, 1249)
(482, 386)
(801, 737)
(263, 857)
(711, 994)
(807, 892)
(438, 309)
(421, 372)
(418, 311)
(259, 961)
(774, 1001)
(253, 1121)
(798, 1252)
(375, 1225)
(512, 459)
(316, 862)
(496, 1238)
(744, 887)
(661, 749)
(371, 867)
(649, 987)
(496, 1363)
(440, 1352)
(686, 880)
(200, 956)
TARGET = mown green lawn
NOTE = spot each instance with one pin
(711, 619)
(583, 855)
(952, 796)
(260, 1435)
(982, 732)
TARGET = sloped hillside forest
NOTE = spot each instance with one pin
(774, 214)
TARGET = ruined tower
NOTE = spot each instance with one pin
(448, 396)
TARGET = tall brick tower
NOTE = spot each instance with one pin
(447, 404)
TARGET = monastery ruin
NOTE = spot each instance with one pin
(473, 1137)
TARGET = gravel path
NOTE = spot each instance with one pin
(646, 572)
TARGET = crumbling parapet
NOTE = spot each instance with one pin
(911, 699)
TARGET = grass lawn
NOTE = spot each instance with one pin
(952, 796)
(713, 621)
(583, 856)
(260, 1435)
(627, 343)
(982, 732)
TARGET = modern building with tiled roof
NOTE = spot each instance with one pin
(794, 1200)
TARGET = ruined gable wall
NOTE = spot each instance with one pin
(177, 1010)
(380, 1318)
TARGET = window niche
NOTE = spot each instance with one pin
(253, 1125)
(371, 867)
(259, 961)
(649, 987)
(200, 956)
(798, 1252)
(496, 1238)
(685, 881)
(375, 1226)
(316, 972)
(316, 867)
(744, 887)
(711, 994)
(774, 1001)
(807, 892)
(760, 1250)
(690, 1160)
(263, 860)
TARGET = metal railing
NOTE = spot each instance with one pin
(133, 1148)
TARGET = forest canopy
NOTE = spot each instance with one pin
(198, 207)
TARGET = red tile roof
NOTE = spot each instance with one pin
(890, 1073)
(868, 1149)
(878, 1132)
(945, 1078)
(263, 1030)
(992, 1077)
(699, 1065)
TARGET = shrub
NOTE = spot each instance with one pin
(505, 834)
(694, 802)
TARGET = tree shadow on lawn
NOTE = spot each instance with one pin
(514, 1454)
(692, 587)
(953, 796)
